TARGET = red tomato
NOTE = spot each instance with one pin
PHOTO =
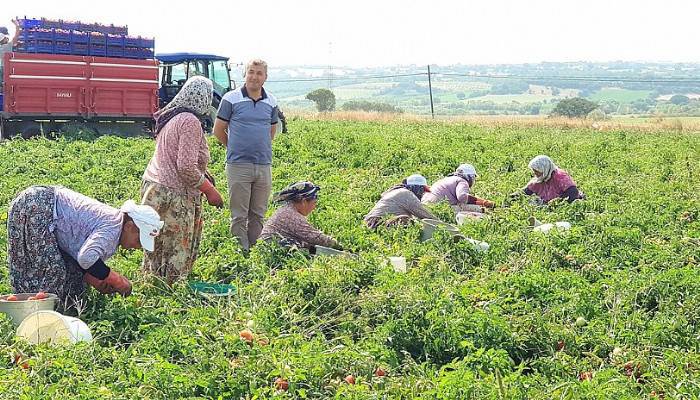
(560, 345)
(379, 372)
(11, 297)
(41, 296)
(350, 380)
(246, 336)
(281, 384)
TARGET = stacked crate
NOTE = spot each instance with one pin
(77, 38)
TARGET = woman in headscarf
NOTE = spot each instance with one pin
(401, 203)
(177, 177)
(289, 226)
(58, 240)
(550, 182)
(456, 190)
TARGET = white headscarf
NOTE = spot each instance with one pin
(146, 219)
(542, 164)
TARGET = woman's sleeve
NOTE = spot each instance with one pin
(462, 192)
(416, 208)
(190, 138)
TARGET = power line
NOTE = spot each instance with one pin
(339, 78)
(674, 80)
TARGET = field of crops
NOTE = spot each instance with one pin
(609, 310)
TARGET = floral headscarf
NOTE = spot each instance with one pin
(542, 164)
(195, 97)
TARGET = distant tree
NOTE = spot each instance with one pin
(575, 107)
(369, 106)
(679, 99)
(555, 91)
(460, 95)
(324, 99)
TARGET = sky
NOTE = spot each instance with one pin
(371, 33)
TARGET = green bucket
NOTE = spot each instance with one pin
(213, 289)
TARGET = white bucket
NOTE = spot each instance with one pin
(430, 225)
(52, 327)
(560, 226)
(19, 309)
(480, 246)
(464, 217)
(398, 263)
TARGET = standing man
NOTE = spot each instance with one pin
(245, 124)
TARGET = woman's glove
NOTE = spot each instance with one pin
(118, 283)
(213, 196)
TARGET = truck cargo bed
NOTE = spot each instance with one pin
(64, 86)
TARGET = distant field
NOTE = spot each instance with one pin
(509, 98)
(619, 95)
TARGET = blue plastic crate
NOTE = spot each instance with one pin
(132, 52)
(132, 41)
(148, 43)
(29, 23)
(80, 49)
(115, 51)
(97, 39)
(114, 40)
(80, 37)
(40, 47)
(62, 48)
(62, 35)
(71, 26)
(98, 50)
(37, 35)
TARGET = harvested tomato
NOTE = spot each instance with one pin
(281, 384)
(11, 297)
(350, 380)
(32, 298)
(41, 296)
(246, 336)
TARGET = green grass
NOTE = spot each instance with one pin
(619, 95)
(458, 325)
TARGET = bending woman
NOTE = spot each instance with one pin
(400, 202)
(289, 226)
(59, 239)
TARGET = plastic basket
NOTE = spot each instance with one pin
(80, 49)
(29, 23)
(80, 37)
(212, 289)
(63, 48)
(115, 51)
(98, 50)
(115, 40)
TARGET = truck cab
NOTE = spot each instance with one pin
(176, 68)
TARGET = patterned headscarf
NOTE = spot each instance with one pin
(297, 191)
(194, 97)
(542, 164)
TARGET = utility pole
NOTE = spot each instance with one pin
(430, 88)
(330, 65)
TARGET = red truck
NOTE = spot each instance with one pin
(44, 92)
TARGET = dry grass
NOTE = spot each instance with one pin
(642, 124)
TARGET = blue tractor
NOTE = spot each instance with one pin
(176, 68)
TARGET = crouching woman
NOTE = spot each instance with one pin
(58, 240)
